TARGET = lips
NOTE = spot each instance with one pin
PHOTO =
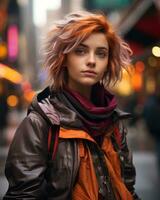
(89, 73)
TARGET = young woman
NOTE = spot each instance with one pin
(72, 144)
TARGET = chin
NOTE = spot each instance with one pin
(89, 83)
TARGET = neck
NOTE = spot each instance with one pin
(84, 91)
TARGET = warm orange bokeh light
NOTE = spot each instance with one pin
(12, 100)
(139, 66)
(3, 50)
(137, 81)
(29, 95)
(10, 74)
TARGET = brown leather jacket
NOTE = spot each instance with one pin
(31, 175)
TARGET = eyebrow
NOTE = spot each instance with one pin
(101, 47)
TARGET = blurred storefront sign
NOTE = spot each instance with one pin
(106, 5)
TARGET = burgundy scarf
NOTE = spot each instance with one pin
(96, 116)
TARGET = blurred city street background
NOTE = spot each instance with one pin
(23, 24)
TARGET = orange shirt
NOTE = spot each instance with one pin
(86, 187)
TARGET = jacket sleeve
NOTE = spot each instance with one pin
(128, 168)
(27, 160)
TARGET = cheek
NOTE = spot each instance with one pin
(106, 63)
(104, 67)
(72, 63)
(72, 70)
(101, 74)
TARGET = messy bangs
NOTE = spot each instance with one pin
(68, 33)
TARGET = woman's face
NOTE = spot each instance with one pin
(87, 63)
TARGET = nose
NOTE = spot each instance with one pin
(91, 61)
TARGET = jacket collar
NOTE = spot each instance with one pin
(55, 112)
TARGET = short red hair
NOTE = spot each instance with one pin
(68, 33)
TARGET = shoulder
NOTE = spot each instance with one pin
(36, 120)
(31, 131)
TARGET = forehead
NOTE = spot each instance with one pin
(96, 40)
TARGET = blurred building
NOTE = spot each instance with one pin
(9, 55)
(140, 26)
